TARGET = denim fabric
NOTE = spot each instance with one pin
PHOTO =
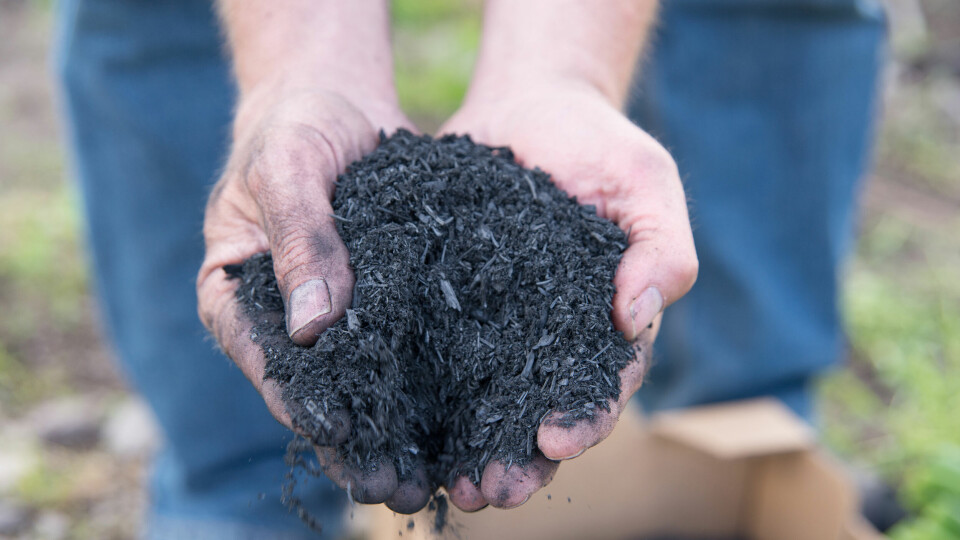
(148, 97)
(766, 105)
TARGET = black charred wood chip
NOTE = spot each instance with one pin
(481, 304)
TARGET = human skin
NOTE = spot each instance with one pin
(550, 82)
(315, 82)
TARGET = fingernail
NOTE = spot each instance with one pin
(518, 504)
(644, 309)
(582, 450)
(307, 302)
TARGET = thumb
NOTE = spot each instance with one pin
(293, 188)
(650, 277)
(313, 270)
(660, 263)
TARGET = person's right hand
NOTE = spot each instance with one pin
(275, 196)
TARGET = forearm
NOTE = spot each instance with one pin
(282, 46)
(596, 43)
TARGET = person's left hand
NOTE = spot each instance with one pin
(595, 153)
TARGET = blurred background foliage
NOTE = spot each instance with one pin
(894, 407)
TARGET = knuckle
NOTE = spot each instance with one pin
(684, 270)
(216, 193)
(301, 248)
(205, 316)
(649, 161)
(293, 251)
(216, 326)
(204, 309)
(290, 152)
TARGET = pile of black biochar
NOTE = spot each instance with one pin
(482, 302)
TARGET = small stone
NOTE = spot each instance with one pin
(16, 460)
(130, 430)
(14, 518)
(69, 422)
(52, 526)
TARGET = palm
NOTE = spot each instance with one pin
(595, 154)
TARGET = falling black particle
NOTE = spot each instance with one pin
(549, 497)
(440, 518)
(481, 303)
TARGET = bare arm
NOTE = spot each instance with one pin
(286, 46)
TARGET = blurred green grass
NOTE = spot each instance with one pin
(434, 50)
(896, 407)
(893, 408)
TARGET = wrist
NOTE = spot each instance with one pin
(376, 100)
(311, 46)
(503, 86)
(564, 42)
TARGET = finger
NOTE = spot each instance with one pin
(412, 493)
(292, 177)
(231, 327)
(660, 263)
(509, 488)
(319, 427)
(560, 438)
(371, 485)
(466, 496)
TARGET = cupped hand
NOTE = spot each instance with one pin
(595, 153)
(275, 195)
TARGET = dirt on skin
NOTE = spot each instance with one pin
(482, 302)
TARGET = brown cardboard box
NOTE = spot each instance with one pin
(747, 470)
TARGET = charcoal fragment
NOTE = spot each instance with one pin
(352, 322)
(448, 295)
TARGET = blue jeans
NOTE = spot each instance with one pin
(766, 105)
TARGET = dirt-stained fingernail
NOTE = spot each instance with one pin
(527, 498)
(643, 310)
(575, 455)
(307, 302)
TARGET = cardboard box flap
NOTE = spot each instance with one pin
(639, 485)
(799, 496)
(760, 427)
